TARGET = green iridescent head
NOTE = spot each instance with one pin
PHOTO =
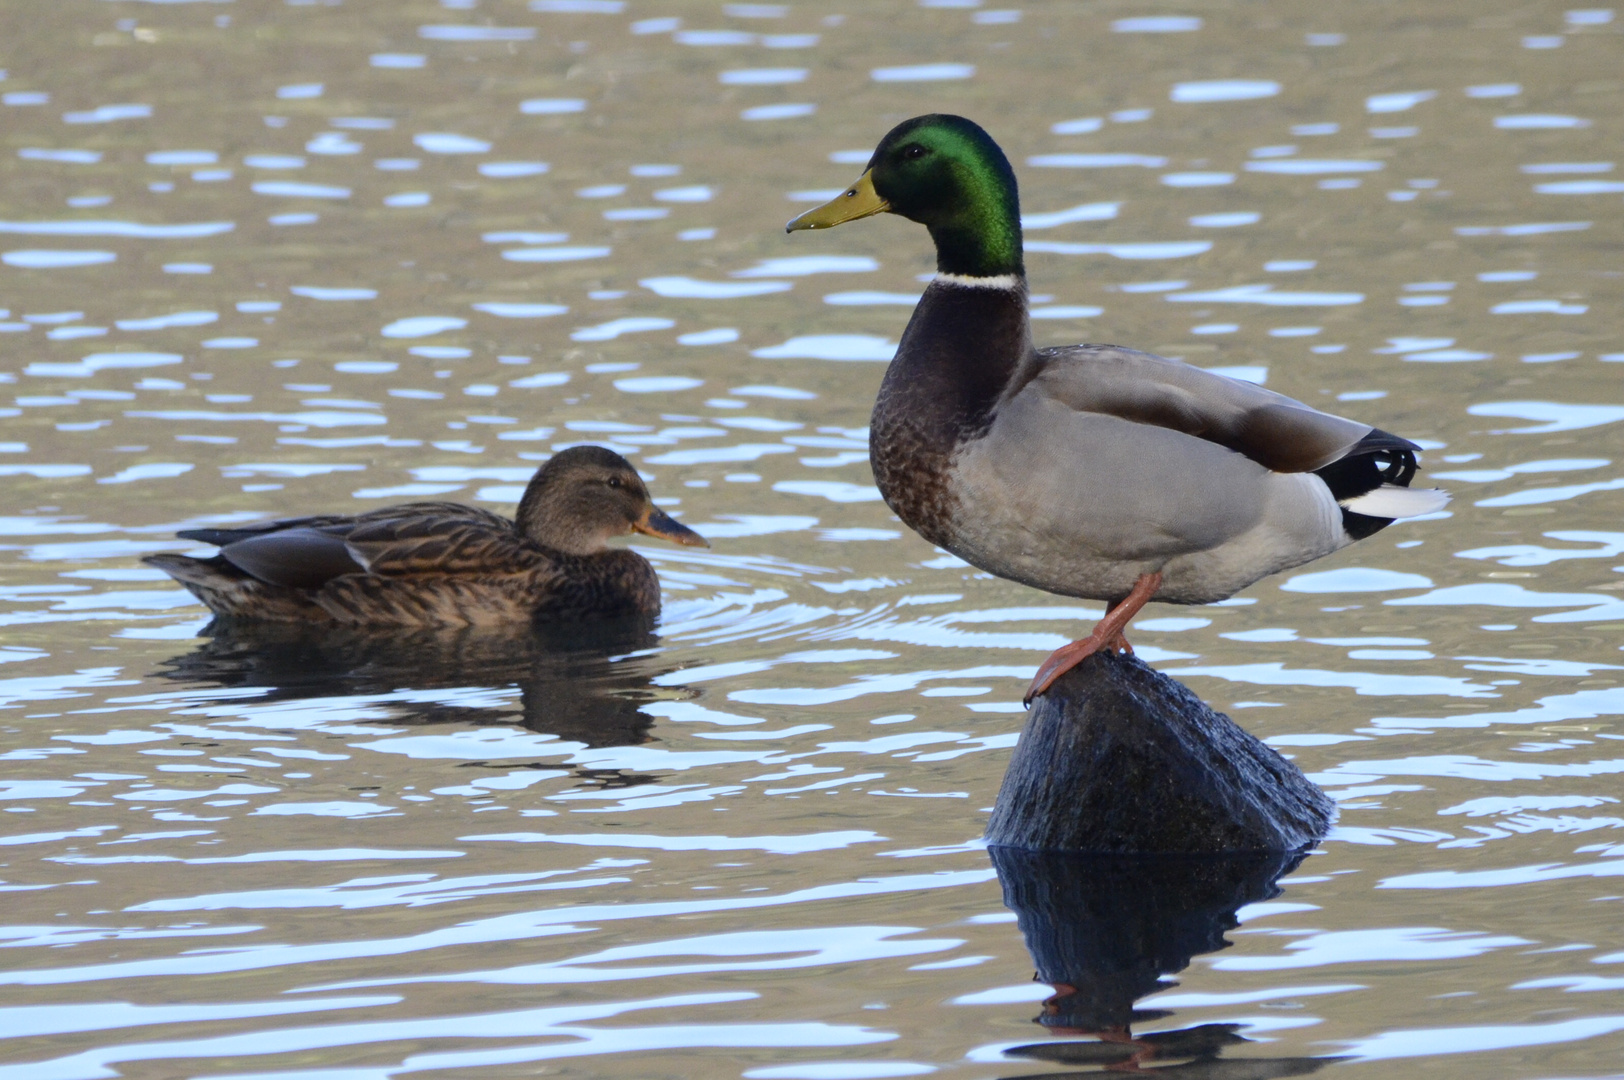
(946, 173)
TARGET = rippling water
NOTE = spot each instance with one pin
(270, 257)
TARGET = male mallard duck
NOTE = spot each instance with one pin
(442, 563)
(1092, 471)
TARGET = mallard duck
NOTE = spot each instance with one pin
(445, 564)
(1092, 471)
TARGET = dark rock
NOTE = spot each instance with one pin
(1118, 758)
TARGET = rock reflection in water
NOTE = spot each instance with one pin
(584, 682)
(1104, 929)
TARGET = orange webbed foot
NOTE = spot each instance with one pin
(1108, 634)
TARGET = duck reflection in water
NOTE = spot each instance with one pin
(430, 606)
(583, 682)
(1103, 930)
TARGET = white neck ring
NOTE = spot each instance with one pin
(1007, 282)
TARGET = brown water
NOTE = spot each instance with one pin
(265, 258)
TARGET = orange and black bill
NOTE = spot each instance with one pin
(658, 523)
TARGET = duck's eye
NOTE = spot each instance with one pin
(915, 152)
(613, 481)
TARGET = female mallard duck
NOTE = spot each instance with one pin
(442, 563)
(1092, 471)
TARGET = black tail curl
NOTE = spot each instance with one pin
(1379, 458)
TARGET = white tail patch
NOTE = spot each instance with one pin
(1392, 501)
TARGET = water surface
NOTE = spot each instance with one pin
(262, 258)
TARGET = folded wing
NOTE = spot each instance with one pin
(419, 538)
(442, 544)
(1271, 429)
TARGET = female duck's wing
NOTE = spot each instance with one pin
(306, 553)
(1275, 431)
(296, 557)
(235, 533)
(339, 524)
(461, 543)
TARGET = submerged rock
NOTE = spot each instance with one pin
(1105, 930)
(1118, 758)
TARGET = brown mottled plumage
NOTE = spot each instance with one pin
(923, 414)
(445, 564)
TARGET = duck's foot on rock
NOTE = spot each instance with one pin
(1069, 656)
(1107, 636)
(1119, 758)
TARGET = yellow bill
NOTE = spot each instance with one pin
(858, 201)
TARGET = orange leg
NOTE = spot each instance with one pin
(1107, 635)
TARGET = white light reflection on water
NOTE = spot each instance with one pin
(1424, 1042)
(778, 950)
(572, 1023)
